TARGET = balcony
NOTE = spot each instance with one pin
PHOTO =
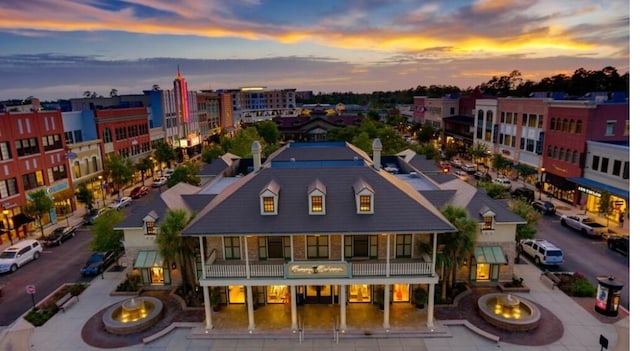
(359, 269)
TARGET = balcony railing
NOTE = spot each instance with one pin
(262, 269)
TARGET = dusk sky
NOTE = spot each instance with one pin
(54, 49)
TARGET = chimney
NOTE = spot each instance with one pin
(377, 149)
(255, 150)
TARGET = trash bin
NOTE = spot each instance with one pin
(608, 295)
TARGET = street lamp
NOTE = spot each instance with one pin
(5, 212)
(540, 187)
(102, 189)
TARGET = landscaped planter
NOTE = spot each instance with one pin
(505, 287)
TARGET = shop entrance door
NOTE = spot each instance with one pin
(318, 294)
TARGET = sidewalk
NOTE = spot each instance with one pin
(581, 329)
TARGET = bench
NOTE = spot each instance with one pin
(64, 301)
(550, 279)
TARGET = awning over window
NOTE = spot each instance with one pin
(21, 219)
(148, 259)
(594, 185)
(490, 254)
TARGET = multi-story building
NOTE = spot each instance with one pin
(323, 223)
(570, 124)
(434, 110)
(486, 125)
(607, 169)
(254, 104)
(32, 157)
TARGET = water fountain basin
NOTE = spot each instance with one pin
(132, 315)
(508, 312)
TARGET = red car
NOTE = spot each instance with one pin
(139, 192)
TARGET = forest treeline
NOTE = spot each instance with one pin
(581, 82)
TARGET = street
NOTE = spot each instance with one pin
(591, 257)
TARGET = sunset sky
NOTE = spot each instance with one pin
(54, 49)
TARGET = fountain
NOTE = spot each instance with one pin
(508, 312)
(132, 315)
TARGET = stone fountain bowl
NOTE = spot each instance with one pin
(530, 313)
(153, 306)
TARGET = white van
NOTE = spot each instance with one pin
(19, 254)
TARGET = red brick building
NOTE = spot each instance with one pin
(32, 157)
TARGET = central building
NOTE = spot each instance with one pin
(318, 223)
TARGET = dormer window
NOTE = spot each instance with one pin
(150, 223)
(488, 219)
(364, 197)
(269, 199)
(317, 193)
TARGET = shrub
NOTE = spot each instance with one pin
(583, 288)
(48, 308)
(131, 283)
(39, 317)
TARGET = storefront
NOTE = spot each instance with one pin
(590, 198)
(559, 188)
(153, 268)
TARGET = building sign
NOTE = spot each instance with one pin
(57, 187)
(588, 191)
(318, 270)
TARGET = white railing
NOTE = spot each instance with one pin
(359, 269)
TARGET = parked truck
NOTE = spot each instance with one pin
(584, 224)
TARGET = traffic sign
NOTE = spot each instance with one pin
(31, 289)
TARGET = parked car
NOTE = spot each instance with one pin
(462, 175)
(584, 224)
(505, 182)
(542, 251)
(19, 254)
(98, 262)
(121, 203)
(469, 168)
(158, 182)
(456, 163)
(486, 177)
(544, 207)
(619, 243)
(138, 192)
(523, 193)
(91, 217)
(58, 236)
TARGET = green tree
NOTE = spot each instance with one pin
(185, 173)
(119, 169)
(268, 130)
(85, 196)
(177, 248)
(39, 203)
(105, 238)
(526, 211)
(164, 154)
(478, 150)
(364, 142)
(425, 133)
(499, 163)
(212, 152)
(240, 144)
(459, 245)
(144, 166)
(606, 204)
(526, 171)
(450, 150)
(392, 141)
(494, 191)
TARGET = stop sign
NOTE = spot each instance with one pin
(31, 289)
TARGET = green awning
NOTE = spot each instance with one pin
(490, 254)
(148, 259)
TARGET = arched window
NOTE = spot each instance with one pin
(567, 156)
(552, 125)
(76, 169)
(565, 125)
(480, 124)
(555, 152)
(94, 164)
(579, 127)
(572, 126)
(549, 151)
(106, 136)
(575, 157)
(489, 118)
(561, 155)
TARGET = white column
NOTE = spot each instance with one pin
(343, 308)
(294, 307)
(207, 302)
(252, 322)
(388, 270)
(433, 254)
(246, 257)
(385, 323)
(430, 305)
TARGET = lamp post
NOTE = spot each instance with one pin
(540, 183)
(5, 212)
(102, 189)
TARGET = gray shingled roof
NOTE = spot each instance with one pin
(397, 207)
(138, 212)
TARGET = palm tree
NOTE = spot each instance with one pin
(459, 245)
(177, 248)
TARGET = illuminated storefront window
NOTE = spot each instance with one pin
(359, 293)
